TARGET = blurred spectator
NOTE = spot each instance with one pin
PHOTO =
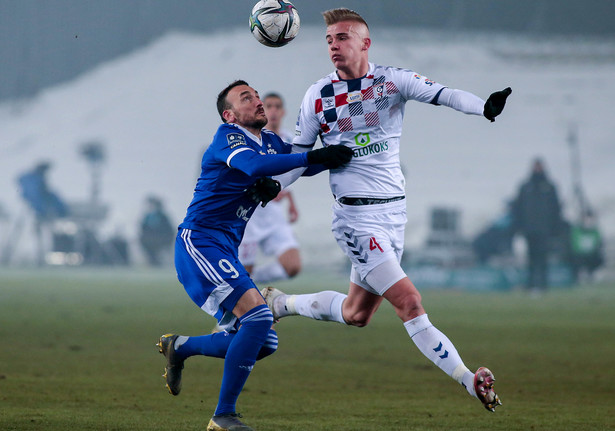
(586, 252)
(157, 232)
(45, 203)
(537, 216)
(496, 239)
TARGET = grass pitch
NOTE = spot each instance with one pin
(78, 354)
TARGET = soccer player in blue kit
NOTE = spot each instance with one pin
(235, 178)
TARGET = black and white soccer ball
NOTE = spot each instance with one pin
(274, 22)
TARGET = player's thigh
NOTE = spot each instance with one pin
(369, 237)
(210, 272)
(383, 276)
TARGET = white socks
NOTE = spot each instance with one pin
(439, 349)
(326, 305)
(271, 272)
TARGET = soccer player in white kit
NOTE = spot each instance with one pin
(269, 230)
(361, 106)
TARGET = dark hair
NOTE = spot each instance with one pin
(221, 102)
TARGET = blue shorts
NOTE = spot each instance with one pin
(210, 271)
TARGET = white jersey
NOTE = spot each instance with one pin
(365, 114)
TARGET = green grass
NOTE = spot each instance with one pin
(78, 354)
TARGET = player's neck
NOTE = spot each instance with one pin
(255, 131)
(354, 71)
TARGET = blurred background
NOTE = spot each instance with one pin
(107, 107)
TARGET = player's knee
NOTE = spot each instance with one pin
(359, 319)
(409, 306)
(259, 320)
(291, 262)
(270, 346)
(293, 269)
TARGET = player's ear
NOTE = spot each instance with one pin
(228, 116)
(367, 42)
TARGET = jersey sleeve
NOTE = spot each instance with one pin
(417, 87)
(228, 143)
(230, 146)
(460, 100)
(308, 125)
(423, 89)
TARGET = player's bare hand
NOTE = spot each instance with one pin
(332, 157)
(495, 104)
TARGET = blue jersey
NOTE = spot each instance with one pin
(231, 164)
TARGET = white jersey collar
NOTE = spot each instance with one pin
(370, 71)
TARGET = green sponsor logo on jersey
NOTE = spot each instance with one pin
(362, 139)
(376, 148)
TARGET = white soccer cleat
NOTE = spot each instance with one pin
(483, 385)
(270, 294)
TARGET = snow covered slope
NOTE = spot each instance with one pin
(155, 111)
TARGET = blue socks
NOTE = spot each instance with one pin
(216, 345)
(254, 340)
(241, 355)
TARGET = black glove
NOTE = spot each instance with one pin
(332, 156)
(495, 104)
(264, 190)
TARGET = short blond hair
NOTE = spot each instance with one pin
(333, 16)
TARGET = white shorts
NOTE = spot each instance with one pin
(370, 234)
(380, 278)
(269, 231)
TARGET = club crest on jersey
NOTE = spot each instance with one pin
(357, 96)
(235, 139)
(379, 90)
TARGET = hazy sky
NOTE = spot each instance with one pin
(43, 42)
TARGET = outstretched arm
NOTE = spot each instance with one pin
(331, 157)
(468, 103)
(260, 165)
(255, 164)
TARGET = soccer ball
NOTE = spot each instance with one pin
(274, 22)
